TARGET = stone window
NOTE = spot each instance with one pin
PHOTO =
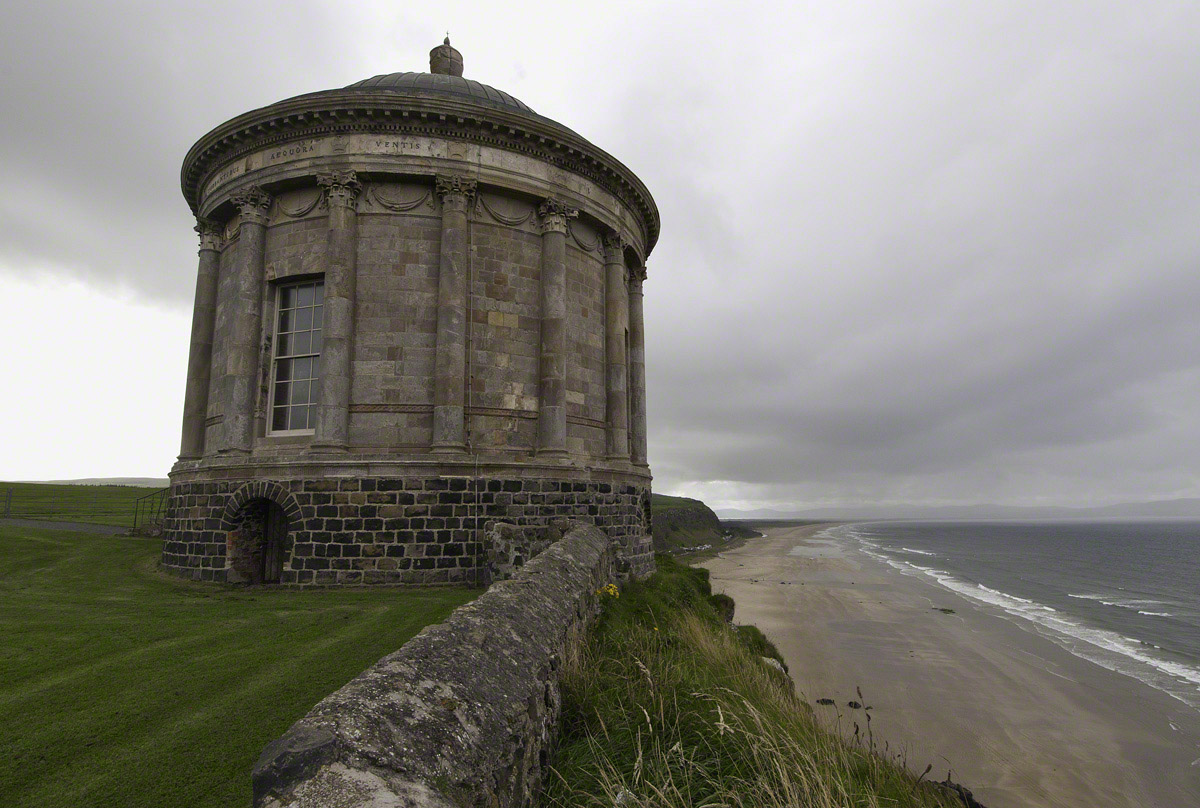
(297, 356)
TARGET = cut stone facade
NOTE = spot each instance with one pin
(482, 356)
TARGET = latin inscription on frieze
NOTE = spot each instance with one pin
(307, 148)
(318, 147)
(400, 146)
(228, 173)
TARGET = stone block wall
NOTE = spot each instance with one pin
(464, 713)
(402, 530)
(395, 322)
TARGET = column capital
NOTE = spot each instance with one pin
(614, 247)
(340, 188)
(253, 203)
(553, 215)
(637, 274)
(210, 233)
(455, 191)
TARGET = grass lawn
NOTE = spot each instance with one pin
(121, 686)
(98, 504)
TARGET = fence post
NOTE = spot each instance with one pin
(8, 502)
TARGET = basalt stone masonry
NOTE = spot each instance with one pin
(464, 713)
(412, 530)
(418, 313)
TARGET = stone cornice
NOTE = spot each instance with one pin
(384, 112)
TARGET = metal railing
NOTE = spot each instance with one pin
(149, 512)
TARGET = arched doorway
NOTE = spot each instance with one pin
(258, 543)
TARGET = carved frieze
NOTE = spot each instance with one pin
(554, 214)
(456, 192)
(586, 238)
(277, 135)
(341, 188)
(376, 195)
(499, 209)
(254, 204)
(299, 204)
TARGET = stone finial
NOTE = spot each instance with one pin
(554, 215)
(253, 204)
(341, 187)
(445, 59)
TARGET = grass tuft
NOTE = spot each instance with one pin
(667, 705)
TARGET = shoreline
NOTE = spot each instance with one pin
(1017, 719)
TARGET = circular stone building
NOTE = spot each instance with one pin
(418, 315)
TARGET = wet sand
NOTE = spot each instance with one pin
(1014, 717)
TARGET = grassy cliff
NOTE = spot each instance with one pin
(681, 523)
(668, 705)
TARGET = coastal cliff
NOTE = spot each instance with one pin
(682, 524)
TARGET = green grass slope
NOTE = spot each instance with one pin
(668, 706)
(124, 687)
(98, 504)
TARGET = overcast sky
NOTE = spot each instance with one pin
(911, 251)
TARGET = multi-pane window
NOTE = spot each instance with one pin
(297, 356)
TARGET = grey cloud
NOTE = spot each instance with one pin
(941, 252)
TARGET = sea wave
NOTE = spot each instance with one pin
(1133, 604)
(918, 552)
(1108, 649)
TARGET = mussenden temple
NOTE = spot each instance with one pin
(417, 342)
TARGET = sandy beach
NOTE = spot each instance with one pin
(1014, 717)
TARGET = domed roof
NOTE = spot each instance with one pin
(441, 84)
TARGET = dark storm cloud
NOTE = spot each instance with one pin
(935, 252)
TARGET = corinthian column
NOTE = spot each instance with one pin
(616, 323)
(450, 358)
(195, 398)
(552, 391)
(337, 329)
(637, 369)
(242, 357)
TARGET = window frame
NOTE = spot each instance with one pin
(272, 382)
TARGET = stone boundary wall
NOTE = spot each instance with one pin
(392, 530)
(464, 713)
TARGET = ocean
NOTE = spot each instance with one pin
(1124, 595)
